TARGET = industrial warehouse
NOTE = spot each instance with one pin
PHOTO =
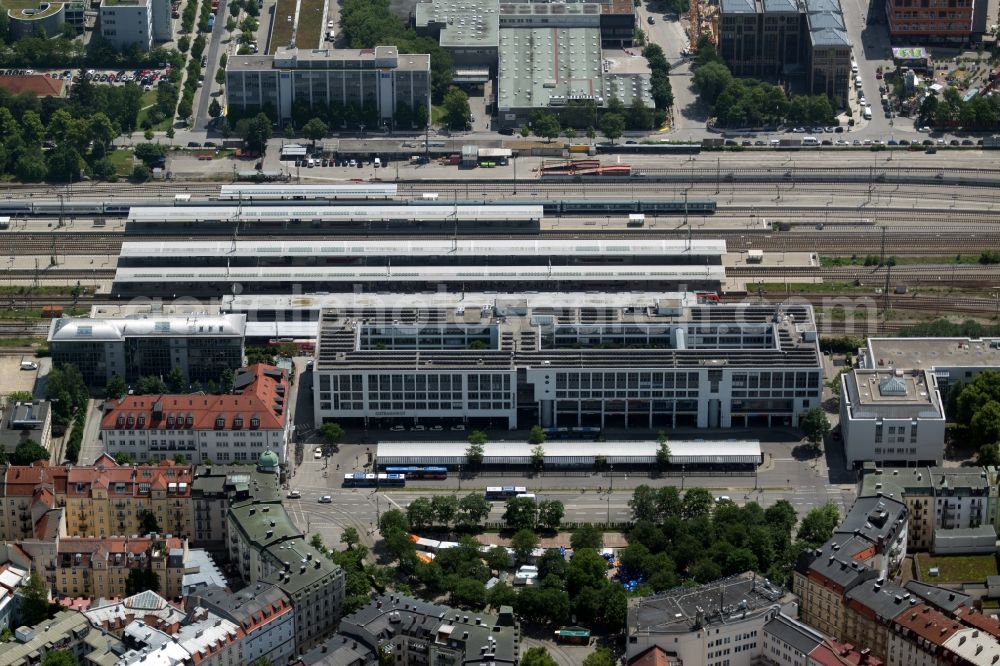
(661, 363)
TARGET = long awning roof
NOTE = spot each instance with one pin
(687, 452)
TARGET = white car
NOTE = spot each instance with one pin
(329, 25)
(458, 427)
(418, 428)
(397, 428)
(294, 494)
(437, 428)
(326, 499)
(29, 365)
(318, 453)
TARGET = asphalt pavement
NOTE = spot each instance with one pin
(201, 117)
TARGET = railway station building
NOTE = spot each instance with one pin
(201, 346)
(651, 363)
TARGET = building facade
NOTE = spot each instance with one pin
(891, 417)
(135, 22)
(225, 428)
(381, 78)
(91, 567)
(951, 22)
(263, 613)
(200, 346)
(651, 365)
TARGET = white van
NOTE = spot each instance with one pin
(868, 113)
(858, 83)
(377, 162)
(854, 67)
(810, 141)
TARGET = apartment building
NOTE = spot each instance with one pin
(67, 631)
(96, 567)
(214, 488)
(788, 642)
(236, 427)
(265, 547)
(939, 500)
(115, 615)
(420, 632)
(715, 623)
(201, 346)
(28, 500)
(140, 23)
(380, 77)
(955, 22)
(12, 578)
(203, 639)
(646, 363)
(263, 612)
(918, 636)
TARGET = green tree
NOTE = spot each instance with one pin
(141, 173)
(226, 381)
(697, 503)
(393, 521)
(34, 607)
(545, 125)
(176, 383)
(456, 109)
(214, 108)
(537, 435)
(332, 432)
(643, 503)
(498, 559)
(350, 537)
(818, 525)
(537, 656)
(538, 456)
(668, 503)
(255, 132)
(586, 569)
(662, 451)
(523, 543)
(473, 509)
(612, 126)
(115, 388)
(19, 396)
(586, 536)
(29, 451)
(521, 513)
(230, 24)
(59, 658)
(123, 458)
(147, 523)
(640, 116)
(984, 426)
(712, 78)
(814, 425)
(220, 75)
(180, 458)
(550, 513)
(601, 657)
(314, 130)
(140, 580)
(184, 44)
(445, 509)
(468, 593)
(420, 513)
(475, 452)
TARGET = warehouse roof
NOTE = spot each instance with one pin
(462, 23)
(539, 64)
(932, 353)
(746, 452)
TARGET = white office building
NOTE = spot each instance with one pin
(891, 417)
(643, 361)
(135, 22)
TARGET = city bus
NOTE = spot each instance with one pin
(498, 493)
(369, 480)
(420, 471)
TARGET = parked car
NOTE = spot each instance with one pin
(294, 494)
(318, 452)
(326, 499)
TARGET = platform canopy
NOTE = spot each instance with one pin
(573, 453)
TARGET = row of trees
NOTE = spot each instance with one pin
(174, 382)
(975, 408)
(739, 102)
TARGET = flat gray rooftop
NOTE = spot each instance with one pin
(721, 602)
(463, 23)
(892, 394)
(537, 64)
(933, 353)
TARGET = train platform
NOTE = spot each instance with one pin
(75, 225)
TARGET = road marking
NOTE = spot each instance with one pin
(392, 501)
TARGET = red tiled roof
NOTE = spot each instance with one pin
(42, 86)
(119, 480)
(927, 623)
(832, 653)
(976, 619)
(261, 399)
(654, 656)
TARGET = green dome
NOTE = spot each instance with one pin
(268, 461)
